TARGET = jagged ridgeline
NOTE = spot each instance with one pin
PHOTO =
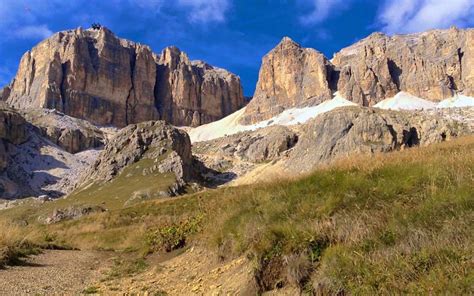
(94, 75)
(433, 65)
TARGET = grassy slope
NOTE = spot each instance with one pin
(395, 223)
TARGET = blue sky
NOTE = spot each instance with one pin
(232, 34)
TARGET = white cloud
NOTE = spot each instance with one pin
(204, 11)
(408, 16)
(33, 32)
(149, 4)
(322, 9)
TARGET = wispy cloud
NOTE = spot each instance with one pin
(33, 32)
(205, 11)
(407, 16)
(322, 10)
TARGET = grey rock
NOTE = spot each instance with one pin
(355, 130)
(166, 147)
(70, 213)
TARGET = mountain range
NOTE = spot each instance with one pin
(124, 171)
(77, 114)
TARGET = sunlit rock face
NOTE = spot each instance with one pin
(93, 75)
(433, 65)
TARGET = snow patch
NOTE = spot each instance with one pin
(405, 101)
(457, 101)
(230, 125)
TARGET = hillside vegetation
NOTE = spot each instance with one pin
(387, 223)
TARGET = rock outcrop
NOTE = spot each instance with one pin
(433, 65)
(72, 134)
(290, 76)
(12, 127)
(13, 131)
(354, 130)
(231, 157)
(253, 146)
(93, 75)
(154, 146)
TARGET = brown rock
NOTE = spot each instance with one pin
(12, 127)
(92, 74)
(290, 76)
(13, 131)
(433, 65)
(194, 93)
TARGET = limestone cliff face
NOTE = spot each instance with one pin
(185, 89)
(93, 75)
(433, 65)
(290, 76)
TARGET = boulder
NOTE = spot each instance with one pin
(70, 213)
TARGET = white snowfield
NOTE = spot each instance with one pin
(406, 101)
(230, 125)
(457, 102)
(402, 101)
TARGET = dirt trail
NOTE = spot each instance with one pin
(54, 273)
(194, 272)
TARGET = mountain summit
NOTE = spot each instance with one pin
(433, 65)
(94, 75)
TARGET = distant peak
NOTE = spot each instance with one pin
(287, 40)
(173, 55)
(377, 35)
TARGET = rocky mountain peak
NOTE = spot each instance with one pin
(173, 56)
(287, 42)
(290, 76)
(94, 75)
(433, 65)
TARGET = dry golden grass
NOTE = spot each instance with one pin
(387, 223)
(14, 244)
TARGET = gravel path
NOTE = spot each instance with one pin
(54, 273)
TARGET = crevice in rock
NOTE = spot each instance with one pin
(395, 72)
(332, 76)
(393, 133)
(129, 110)
(32, 75)
(460, 56)
(161, 90)
(93, 54)
(62, 86)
